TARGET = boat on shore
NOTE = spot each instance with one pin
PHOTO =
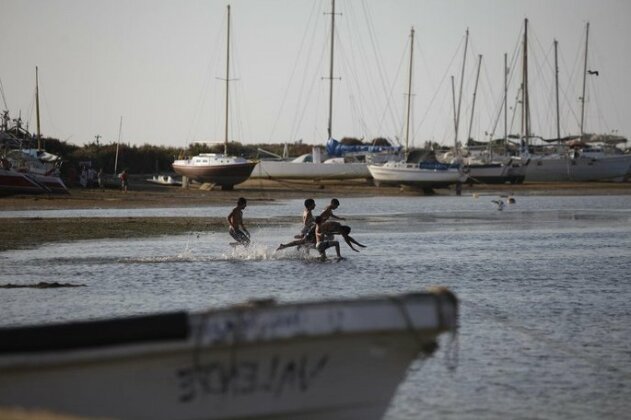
(330, 359)
(419, 169)
(341, 162)
(26, 170)
(219, 169)
(580, 158)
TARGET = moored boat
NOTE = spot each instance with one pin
(329, 359)
(422, 170)
(308, 167)
(216, 168)
(219, 169)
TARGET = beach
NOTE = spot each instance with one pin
(33, 231)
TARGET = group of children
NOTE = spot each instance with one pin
(317, 232)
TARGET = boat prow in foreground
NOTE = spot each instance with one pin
(315, 360)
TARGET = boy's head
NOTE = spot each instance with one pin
(310, 203)
(318, 220)
(242, 202)
(335, 203)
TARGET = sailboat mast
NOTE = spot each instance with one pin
(225, 144)
(39, 134)
(505, 100)
(556, 84)
(120, 130)
(330, 124)
(584, 82)
(464, 61)
(475, 91)
(409, 104)
(525, 108)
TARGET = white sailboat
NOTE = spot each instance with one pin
(219, 169)
(426, 174)
(560, 162)
(315, 166)
(489, 168)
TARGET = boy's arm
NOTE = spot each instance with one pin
(336, 217)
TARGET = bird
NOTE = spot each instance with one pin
(594, 72)
(500, 204)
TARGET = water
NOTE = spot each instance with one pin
(544, 288)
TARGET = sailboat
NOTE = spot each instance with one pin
(218, 168)
(342, 161)
(566, 163)
(28, 170)
(427, 172)
(486, 167)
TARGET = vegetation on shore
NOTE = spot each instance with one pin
(149, 158)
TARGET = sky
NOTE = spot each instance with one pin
(150, 71)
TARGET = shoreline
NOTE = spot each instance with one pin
(22, 233)
(144, 195)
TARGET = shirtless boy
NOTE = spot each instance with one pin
(328, 211)
(308, 226)
(237, 228)
(322, 243)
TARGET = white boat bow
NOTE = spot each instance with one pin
(315, 360)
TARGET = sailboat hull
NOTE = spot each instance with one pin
(564, 168)
(310, 170)
(412, 175)
(13, 182)
(226, 176)
(496, 173)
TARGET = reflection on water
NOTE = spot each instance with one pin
(544, 287)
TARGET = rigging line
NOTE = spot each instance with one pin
(380, 67)
(310, 90)
(354, 83)
(512, 74)
(4, 99)
(437, 91)
(242, 111)
(307, 83)
(608, 89)
(368, 93)
(49, 114)
(204, 93)
(550, 101)
(396, 122)
(571, 80)
(536, 80)
(294, 68)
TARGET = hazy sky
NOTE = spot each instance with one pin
(157, 64)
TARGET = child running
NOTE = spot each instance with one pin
(322, 243)
(328, 211)
(237, 228)
(307, 227)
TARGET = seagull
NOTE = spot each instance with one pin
(500, 204)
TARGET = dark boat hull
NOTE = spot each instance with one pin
(226, 176)
(12, 182)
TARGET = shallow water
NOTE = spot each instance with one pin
(544, 288)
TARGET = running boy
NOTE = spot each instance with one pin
(237, 228)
